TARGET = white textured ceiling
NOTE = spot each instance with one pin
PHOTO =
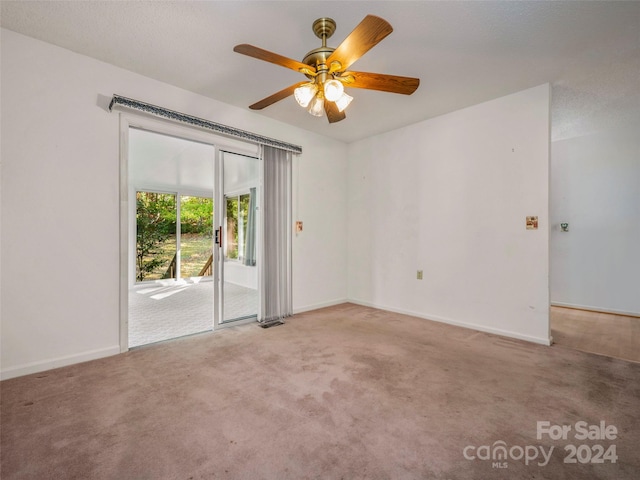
(463, 52)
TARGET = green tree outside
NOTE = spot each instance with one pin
(155, 223)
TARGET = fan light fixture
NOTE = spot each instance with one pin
(312, 97)
(305, 93)
(343, 102)
(333, 90)
(316, 108)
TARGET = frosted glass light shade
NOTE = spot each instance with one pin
(305, 93)
(343, 102)
(316, 107)
(333, 90)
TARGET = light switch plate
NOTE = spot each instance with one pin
(298, 226)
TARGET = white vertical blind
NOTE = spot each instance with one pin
(276, 245)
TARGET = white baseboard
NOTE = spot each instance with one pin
(595, 309)
(41, 366)
(457, 323)
(317, 306)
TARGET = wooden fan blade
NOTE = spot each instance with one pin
(333, 114)
(363, 38)
(271, 57)
(382, 82)
(276, 97)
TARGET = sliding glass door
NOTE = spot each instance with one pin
(192, 236)
(237, 237)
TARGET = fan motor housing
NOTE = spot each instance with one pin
(317, 56)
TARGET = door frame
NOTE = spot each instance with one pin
(165, 127)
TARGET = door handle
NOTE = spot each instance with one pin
(219, 237)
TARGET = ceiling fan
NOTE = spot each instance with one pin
(327, 69)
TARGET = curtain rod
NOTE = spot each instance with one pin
(119, 100)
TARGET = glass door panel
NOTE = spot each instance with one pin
(170, 290)
(238, 263)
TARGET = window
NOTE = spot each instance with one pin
(241, 228)
(237, 216)
(159, 236)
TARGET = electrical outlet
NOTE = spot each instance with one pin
(419, 276)
(298, 226)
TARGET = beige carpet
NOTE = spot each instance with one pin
(345, 392)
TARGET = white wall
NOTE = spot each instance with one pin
(60, 202)
(449, 196)
(595, 178)
(595, 188)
